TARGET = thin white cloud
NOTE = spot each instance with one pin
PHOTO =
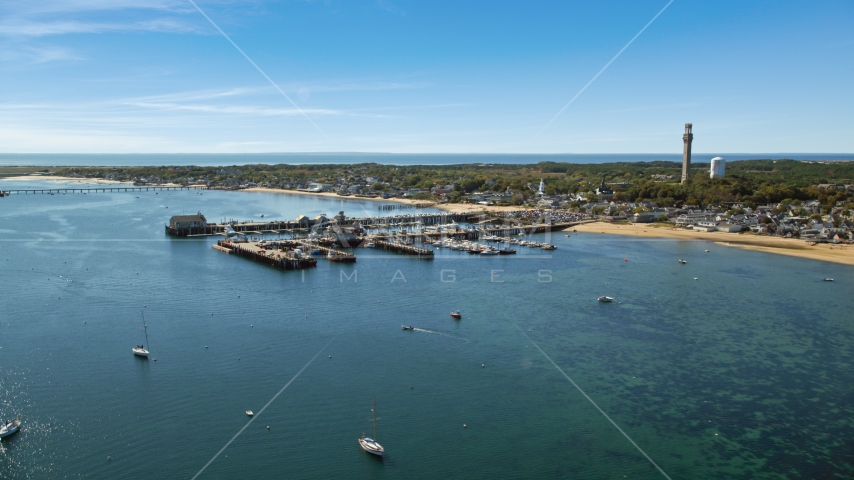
(43, 7)
(356, 86)
(25, 28)
(31, 55)
(236, 109)
(655, 107)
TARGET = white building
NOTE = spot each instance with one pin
(718, 168)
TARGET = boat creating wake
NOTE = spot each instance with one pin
(433, 332)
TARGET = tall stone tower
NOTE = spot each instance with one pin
(687, 138)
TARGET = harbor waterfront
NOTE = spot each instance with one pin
(735, 364)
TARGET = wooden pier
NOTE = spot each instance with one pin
(337, 255)
(396, 247)
(64, 191)
(279, 258)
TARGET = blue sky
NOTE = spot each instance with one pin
(147, 76)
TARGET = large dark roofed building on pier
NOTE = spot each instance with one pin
(181, 222)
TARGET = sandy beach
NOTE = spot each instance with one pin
(52, 178)
(448, 207)
(783, 246)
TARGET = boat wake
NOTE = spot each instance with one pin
(433, 332)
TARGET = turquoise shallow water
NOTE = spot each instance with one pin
(744, 372)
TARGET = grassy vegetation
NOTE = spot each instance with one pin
(750, 181)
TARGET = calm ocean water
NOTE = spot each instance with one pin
(735, 365)
(202, 159)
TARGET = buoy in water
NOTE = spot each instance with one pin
(464, 426)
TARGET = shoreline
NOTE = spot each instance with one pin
(448, 207)
(782, 246)
(96, 181)
(826, 252)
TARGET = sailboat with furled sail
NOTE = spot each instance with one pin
(140, 350)
(371, 445)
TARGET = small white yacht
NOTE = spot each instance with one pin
(368, 444)
(10, 427)
(140, 350)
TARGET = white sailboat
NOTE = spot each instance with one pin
(10, 427)
(140, 350)
(370, 445)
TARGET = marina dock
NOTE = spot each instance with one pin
(396, 247)
(275, 257)
(65, 191)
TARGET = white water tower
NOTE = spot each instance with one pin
(718, 167)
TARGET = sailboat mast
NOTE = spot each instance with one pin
(145, 329)
(375, 419)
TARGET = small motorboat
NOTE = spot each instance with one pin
(10, 427)
(249, 413)
(605, 299)
(549, 247)
(407, 327)
(371, 245)
(456, 314)
(682, 261)
(507, 251)
(488, 252)
(828, 279)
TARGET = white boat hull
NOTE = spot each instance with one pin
(140, 352)
(371, 446)
(9, 429)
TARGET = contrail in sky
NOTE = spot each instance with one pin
(262, 71)
(600, 71)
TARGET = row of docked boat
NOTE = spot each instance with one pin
(472, 247)
(520, 242)
(484, 249)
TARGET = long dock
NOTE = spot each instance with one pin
(279, 258)
(64, 191)
(423, 253)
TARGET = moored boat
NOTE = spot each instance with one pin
(10, 427)
(605, 299)
(456, 314)
(140, 350)
(368, 444)
(335, 257)
(407, 327)
(507, 251)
